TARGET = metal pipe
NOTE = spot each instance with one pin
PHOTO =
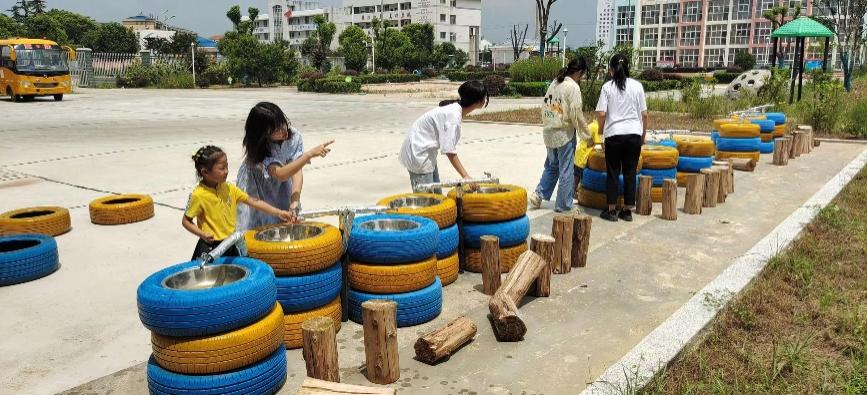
(221, 249)
(488, 179)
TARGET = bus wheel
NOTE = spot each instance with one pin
(58, 97)
(11, 94)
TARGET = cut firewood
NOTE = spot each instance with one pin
(644, 204)
(781, 151)
(320, 349)
(580, 239)
(312, 386)
(711, 187)
(562, 232)
(669, 200)
(743, 164)
(694, 194)
(444, 341)
(508, 325)
(490, 264)
(544, 246)
(379, 319)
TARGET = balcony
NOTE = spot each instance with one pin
(302, 27)
(261, 30)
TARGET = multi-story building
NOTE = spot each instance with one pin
(261, 27)
(604, 21)
(292, 20)
(150, 23)
(700, 33)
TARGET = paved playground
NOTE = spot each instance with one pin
(79, 327)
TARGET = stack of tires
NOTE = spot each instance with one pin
(592, 191)
(661, 163)
(766, 134)
(694, 154)
(306, 260)
(780, 128)
(214, 330)
(739, 140)
(444, 212)
(497, 210)
(26, 258)
(393, 257)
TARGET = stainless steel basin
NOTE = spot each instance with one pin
(389, 225)
(414, 202)
(206, 278)
(287, 233)
(490, 190)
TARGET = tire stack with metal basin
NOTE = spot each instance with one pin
(659, 162)
(694, 154)
(592, 192)
(214, 329)
(393, 257)
(766, 134)
(496, 210)
(780, 127)
(305, 258)
(28, 250)
(739, 139)
(444, 212)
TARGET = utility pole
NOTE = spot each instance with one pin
(193, 50)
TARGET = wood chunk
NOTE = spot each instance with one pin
(380, 340)
(320, 349)
(444, 341)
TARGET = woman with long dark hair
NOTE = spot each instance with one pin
(622, 115)
(562, 117)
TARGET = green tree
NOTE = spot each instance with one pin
(78, 27)
(316, 47)
(393, 49)
(422, 38)
(113, 37)
(234, 15)
(44, 26)
(249, 60)
(847, 23)
(249, 25)
(353, 47)
(447, 55)
(9, 27)
(745, 60)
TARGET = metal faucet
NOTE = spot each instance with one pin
(459, 183)
(346, 216)
(209, 257)
(752, 111)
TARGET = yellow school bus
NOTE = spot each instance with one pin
(32, 67)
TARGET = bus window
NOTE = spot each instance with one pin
(41, 60)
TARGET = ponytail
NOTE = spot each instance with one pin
(471, 92)
(619, 66)
(575, 65)
(447, 102)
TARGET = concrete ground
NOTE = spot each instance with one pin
(80, 324)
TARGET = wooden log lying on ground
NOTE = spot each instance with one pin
(312, 386)
(694, 199)
(644, 203)
(490, 264)
(320, 349)
(743, 164)
(711, 187)
(562, 232)
(444, 341)
(581, 224)
(781, 151)
(379, 319)
(544, 246)
(508, 325)
(669, 200)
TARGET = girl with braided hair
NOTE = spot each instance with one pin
(213, 203)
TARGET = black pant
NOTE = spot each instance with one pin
(203, 247)
(621, 156)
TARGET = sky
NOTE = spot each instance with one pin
(208, 17)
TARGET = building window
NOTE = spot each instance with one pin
(761, 55)
(442, 17)
(649, 37)
(714, 57)
(762, 33)
(743, 9)
(764, 5)
(667, 55)
(454, 19)
(624, 36)
(715, 35)
(625, 15)
(689, 35)
(718, 10)
(650, 14)
(793, 4)
(443, 35)
(740, 34)
(692, 11)
(733, 52)
(669, 37)
(453, 37)
(647, 59)
(688, 58)
(670, 12)
(277, 13)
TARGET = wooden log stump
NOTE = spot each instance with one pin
(797, 144)
(694, 194)
(508, 325)
(743, 164)
(320, 349)
(723, 191)
(808, 140)
(669, 200)
(711, 187)
(444, 341)
(731, 182)
(562, 232)
(312, 386)
(581, 224)
(544, 246)
(380, 340)
(644, 203)
(491, 272)
(781, 151)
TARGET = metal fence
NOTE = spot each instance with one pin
(91, 69)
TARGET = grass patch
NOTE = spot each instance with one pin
(658, 120)
(801, 328)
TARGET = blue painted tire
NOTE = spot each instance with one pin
(738, 145)
(597, 181)
(261, 378)
(27, 257)
(448, 242)
(694, 164)
(378, 246)
(176, 312)
(767, 148)
(714, 136)
(778, 117)
(659, 176)
(309, 291)
(765, 125)
(413, 308)
(667, 143)
(510, 233)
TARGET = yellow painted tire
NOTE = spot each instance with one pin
(695, 146)
(444, 214)
(389, 279)
(292, 322)
(508, 258)
(656, 194)
(45, 220)
(121, 209)
(593, 199)
(448, 268)
(767, 137)
(223, 352)
(740, 130)
(658, 157)
(299, 256)
(494, 207)
(780, 131)
(596, 161)
(717, 123)
(681, 178)
(756, 156)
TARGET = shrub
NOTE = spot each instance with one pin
(176, 81)
(138, 75)
(661, 85)
(724, 77)
(494, 84)
(350, 72)
(821, 107)
(384, 78)
(856, 118)
(734, 69)
(473, 75)
(509, 90)
(672, 76)
(215, 74)
(651, 75)
(529, 89)
(429, 72)
(745, 60)
(535, 69)
(470, 67)
(338, 87)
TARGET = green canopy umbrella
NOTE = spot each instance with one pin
(800, 29)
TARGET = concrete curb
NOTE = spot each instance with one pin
(663, 344)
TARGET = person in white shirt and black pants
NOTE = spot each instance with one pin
(622, 115)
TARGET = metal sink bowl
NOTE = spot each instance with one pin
(389, 225)
(206, 278)
(489, 190)
(288, 233)
(414, 202)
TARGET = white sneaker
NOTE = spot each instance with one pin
(535, 201)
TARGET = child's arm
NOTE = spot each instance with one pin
(286, 172)
(459, 167)
(297, 185)
(188, 224)
(264, 207)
